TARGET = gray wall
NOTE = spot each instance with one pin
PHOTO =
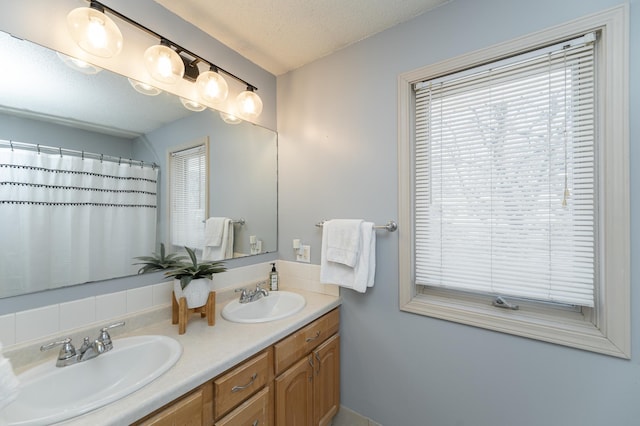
(337, 134)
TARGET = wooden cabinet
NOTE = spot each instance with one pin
(193, 409)
(308, 392)
(305, 391)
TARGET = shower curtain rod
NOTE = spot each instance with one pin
(72, 152)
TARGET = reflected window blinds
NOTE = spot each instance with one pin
(188, 172)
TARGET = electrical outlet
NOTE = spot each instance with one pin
(305, 256)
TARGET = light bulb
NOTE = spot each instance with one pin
(249, 104)
(212, 87)
(94, 31)
(164, 64)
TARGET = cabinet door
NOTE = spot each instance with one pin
(294, 394)
(326, 381)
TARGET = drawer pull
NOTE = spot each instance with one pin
(255, 423)
(311, 339)
(239, 388)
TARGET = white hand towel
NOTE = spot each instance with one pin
(9, 384)
(225, 249)
(363, 275)
(213, 230)
(343, 240)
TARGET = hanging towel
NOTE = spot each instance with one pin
(213, 230)
(9, 384)
(362, 275)
(224, 250)
(343, 240)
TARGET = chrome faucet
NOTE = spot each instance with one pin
(251, 296)
(89, 349)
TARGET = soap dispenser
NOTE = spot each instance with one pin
(273, 278)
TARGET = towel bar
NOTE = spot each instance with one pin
(391, 226)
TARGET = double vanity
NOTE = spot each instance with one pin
(275, 362)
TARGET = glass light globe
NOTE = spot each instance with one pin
(79, 65)
(144, 88)
(94, 32)
(192, 105)
(212, 87)
(249, 104)
(163, 64)
(230, 118)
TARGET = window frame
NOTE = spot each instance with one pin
(606, 328)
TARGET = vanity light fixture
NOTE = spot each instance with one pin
(249, 104)
(166, 62)
(94, 31)
(212, 87)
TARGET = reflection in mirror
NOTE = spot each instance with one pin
(44, 102)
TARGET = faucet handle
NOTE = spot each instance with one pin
(66, 352)
(104, 336)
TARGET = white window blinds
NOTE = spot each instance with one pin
(188, 196)
(505, 187)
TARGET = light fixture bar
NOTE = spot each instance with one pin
(179, 49)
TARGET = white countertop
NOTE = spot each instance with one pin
(207, 352)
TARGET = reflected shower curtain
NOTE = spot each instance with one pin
(67, 220)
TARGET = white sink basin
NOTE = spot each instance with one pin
(52, 394)
(275, 306)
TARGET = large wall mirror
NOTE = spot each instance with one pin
(44, 101)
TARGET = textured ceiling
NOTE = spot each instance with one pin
(281, 35)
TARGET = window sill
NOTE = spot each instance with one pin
(573, 330)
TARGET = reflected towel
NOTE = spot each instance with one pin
(225, 249)
(343, 240)
(213, 230)
(9, 384)
(362, 275)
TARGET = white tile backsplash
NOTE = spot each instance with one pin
(77, 313)
(37, 323)
(111, 305)
(162, 293)
(139, 299)
(43, 322)
(8, 329)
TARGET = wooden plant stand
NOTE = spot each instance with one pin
(180, 313)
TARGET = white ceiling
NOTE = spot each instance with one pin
(281, 35)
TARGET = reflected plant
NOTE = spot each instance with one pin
(159, 261)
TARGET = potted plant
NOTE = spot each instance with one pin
(193, 280)
(159, 261)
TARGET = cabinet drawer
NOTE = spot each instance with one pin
(187, 411)
(240, 383)
(292, 348)
(253, 412)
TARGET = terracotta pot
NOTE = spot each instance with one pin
(196, 293)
